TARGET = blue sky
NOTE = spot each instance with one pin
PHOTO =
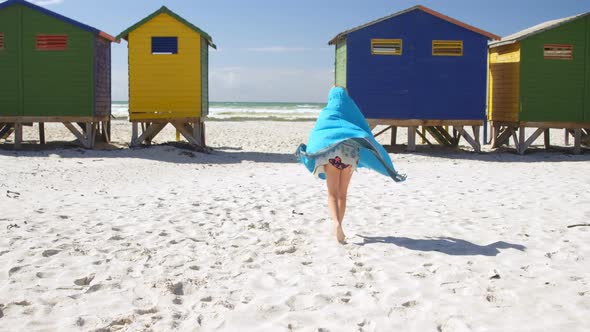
(276, 50)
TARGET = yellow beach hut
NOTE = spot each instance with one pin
(168, 76)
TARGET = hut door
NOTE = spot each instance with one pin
(10, 62)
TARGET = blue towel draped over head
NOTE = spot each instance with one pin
(340, 121)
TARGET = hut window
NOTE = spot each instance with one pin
(52, 42)
(559, 52)
(164, 45)
(1, 40)
(447, 48)
(386, 46)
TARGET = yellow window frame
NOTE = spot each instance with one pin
(379, 46)
(447, 48)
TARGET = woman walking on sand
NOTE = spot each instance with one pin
(341, 141)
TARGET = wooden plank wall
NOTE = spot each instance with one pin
(60, 82)
(341, 63)
(204, 77)
(164, 86)
(10, 62)
(102, 77)
(552, 90)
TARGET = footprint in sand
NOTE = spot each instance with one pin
(14, 270)
(44, 275)
(453, 324)
(117, 325)
(409, 304)
(490, 296)
(226, 304)
(49, 253)
(150, 311)
(84, 281)
(288, 250)
(176, 289)
(177, 317)
(249, 260)
(22, 303)
(94, 288)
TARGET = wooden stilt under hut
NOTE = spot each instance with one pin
(168, 77)
(54, 69)
(540, 80)
(417, 68)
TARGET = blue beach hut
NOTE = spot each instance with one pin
(417, 68)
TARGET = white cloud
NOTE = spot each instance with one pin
(269, 84)
(47, 2)
(261, 84)
(277, 49)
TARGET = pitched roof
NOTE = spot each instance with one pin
(526, 33)
(165, 10)
(48, 12)
(343, 35)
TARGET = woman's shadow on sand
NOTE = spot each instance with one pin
(445, 245)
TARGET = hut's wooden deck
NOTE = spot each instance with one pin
(90, 128)
(502, 132)
(193, 129)
(438, 129)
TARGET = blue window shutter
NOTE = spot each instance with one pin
(164, 45)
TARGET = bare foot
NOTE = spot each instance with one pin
(340, 234)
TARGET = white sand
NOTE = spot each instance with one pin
(161, 238)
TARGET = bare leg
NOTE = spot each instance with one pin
(345, 176)
(333, 183)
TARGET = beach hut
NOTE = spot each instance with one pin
(417, 68)
(168, 76)
(540, 78)
(53, 69)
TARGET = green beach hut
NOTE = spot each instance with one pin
(540, 78)
(53, 69)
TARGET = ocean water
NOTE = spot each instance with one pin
(246, 110)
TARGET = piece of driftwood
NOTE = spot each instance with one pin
(578, 225)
